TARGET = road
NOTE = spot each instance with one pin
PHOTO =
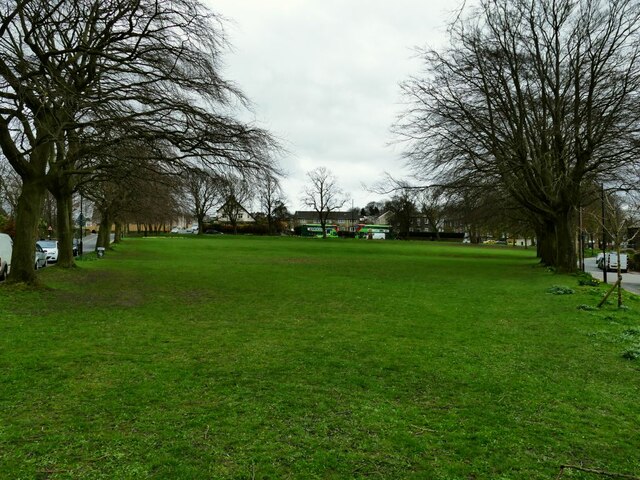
(89, 242)
(630, 281)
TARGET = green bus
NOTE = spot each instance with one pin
(315, 230)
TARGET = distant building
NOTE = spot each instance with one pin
(243, 215)
(346, 221)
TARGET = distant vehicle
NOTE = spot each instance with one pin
(51, 247)
(373, 232)
(212, 231)
(6, 250)
(41, 257)
(609, 262)
(175, 230)
(315, 230)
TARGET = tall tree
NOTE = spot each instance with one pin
(534, 97)
(79, 77)
(323, 195)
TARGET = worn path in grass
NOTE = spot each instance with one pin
(288, 358)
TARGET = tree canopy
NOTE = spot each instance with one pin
(534, 98)
(78, 78)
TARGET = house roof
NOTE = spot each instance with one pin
(312, 214)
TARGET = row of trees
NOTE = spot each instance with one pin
(111, 98)
(535, 103)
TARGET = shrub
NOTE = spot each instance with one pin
(632, 353)
(560, 290)
(586, 280)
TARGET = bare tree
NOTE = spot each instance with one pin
(323, 195)
(203, 191)
(78, 78)
(403, 211)
(270, 197)
(433, 203)
(10, 187)
(533, 97)
(237, 196)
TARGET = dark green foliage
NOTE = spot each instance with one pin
(633, 261)
(586, 280)
(632, 353)
(560, 290)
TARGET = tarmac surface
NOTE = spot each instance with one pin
(630, 280)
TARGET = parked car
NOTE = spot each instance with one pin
(610, 262)
(41, 257)
(212, 231)
(6, 250)
(51, 248)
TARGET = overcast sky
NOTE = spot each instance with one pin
(323, 76)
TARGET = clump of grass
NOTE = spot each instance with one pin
(586, 307)
(632, 353)
(631, 333)
(560, 290)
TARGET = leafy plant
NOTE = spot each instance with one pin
(586, 280)
(560, 290)
(632, 353)
(586, 307)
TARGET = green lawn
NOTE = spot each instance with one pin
(281, 358)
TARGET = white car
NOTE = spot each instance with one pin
(6, 249)
(51, 248)
(41, 257)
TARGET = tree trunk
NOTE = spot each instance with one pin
(118, 233)
(104, 234)
(64, 227)
(566, 258)
(546, 247)
(28, 213)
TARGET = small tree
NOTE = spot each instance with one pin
(433, 204)
(323, 195)
(617, 226)
(203, 190)
(270, 197)
(237, 195)
(403, 210)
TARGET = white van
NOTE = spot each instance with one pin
(610, 262)
(6, 249)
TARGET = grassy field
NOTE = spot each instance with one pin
(243, 358)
